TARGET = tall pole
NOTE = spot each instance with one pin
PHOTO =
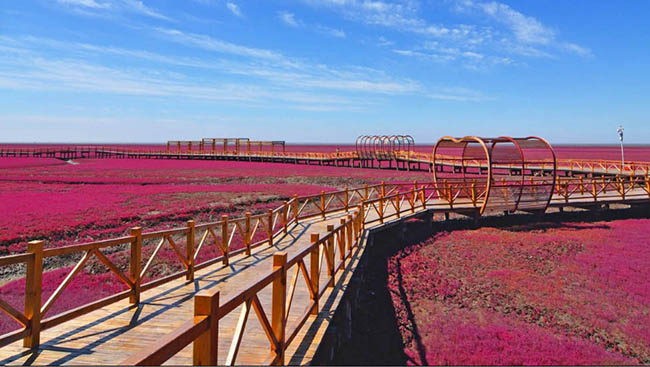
(620, 137)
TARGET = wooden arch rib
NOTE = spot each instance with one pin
(462, 143)
(554, 158)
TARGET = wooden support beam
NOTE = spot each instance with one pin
(330, 256)
(225, 248)
(33, 291)
(205, 348)
(189, 250)
(269, 228)
(278, 311)
(314, 271)
(135, 264)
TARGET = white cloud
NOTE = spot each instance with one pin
(459, 95)
(138, 6)
(213, 44)
(330, 31)
(528, 32)
(234, 9)
(255, 81)
(383, 42)
(508, 32)
(288, 18)
(576, 49)
(95, 7)
(85, 3)
(525, 28)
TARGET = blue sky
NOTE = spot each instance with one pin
(323, 70)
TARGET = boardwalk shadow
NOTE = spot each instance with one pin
(376, 338)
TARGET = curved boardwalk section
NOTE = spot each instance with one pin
(267, 303)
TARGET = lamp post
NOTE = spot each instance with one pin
(619, 130)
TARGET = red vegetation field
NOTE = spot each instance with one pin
(57, 201)
(569, 293)
(575, 294)
(65, 203)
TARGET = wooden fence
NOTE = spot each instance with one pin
(385, 200)
(202, 331)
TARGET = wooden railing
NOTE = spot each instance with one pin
(186, 243)
(386, 200)
(29, 322)
(336, 247)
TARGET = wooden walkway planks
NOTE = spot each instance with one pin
(111, 334)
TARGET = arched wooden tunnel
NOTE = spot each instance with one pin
(501, 173)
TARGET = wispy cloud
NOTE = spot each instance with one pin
(234, 8)
(528, 32)
(97, 7)
(86, 3)
(459, 95)
(30, 63)
(288, 18)
(502, 33)
(138, 6)
(383, 42)
(330, 31)
(213, 44)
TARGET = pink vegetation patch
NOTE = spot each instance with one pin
(556, 294)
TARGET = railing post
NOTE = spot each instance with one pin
(322, 204)
(349, 233)
(423, 198)
(381, 208)
(347, 199)
(224, 239)
(342, 239)
(135, 264)
(383, 188)
(295, 208)
(33, 291)
(279, 299)
(330, 256)
(397, 204)
(270, 227)
(285, 208)
(365, 192)
(314, 271)
(247, 237)
(362, 215)
(414, 198)
(189, 251)
(205, 348)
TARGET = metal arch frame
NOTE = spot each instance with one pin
(490, 145)
(386, 147)
(465, 141)
(382, 146)
(522, 158)
(550, 149)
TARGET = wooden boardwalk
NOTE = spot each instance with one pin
(400, 160)
(119, 331)
(111, 334)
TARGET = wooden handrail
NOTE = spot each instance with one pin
(362, 199)
(277, 328)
